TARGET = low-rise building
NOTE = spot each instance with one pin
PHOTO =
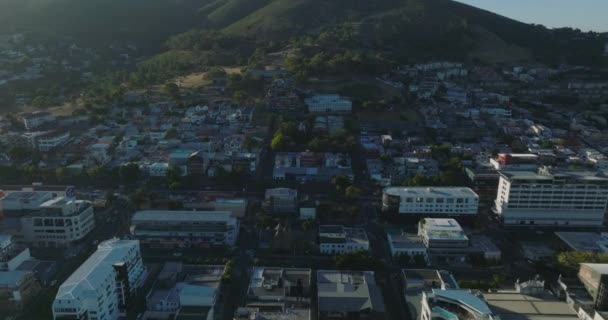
(104, 286)
(17, 289)
(335, 239)
(281, 200)
(51, 140)
(23, 201)
(445, 238)
(286, 287)
(346, 295)
(402, 243)
(584, 241)
(179, 289)
(184, 229)
(59, 222)
(328, 103)
(430, 201)
(36, 119)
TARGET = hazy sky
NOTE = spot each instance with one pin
(583, 14)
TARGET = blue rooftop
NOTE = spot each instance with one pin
(464, 297)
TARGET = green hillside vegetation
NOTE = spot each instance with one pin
(98, 22)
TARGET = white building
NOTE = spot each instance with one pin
(36, 119)
(404, 244)
(182, 229)
(24, 200)
(498, 112)
(103, 285)
(158, 169)
(339, 239)
(430, 201)
(51, 140)
(328, 103)
(58, 223)
(544, 198)
(442, 233)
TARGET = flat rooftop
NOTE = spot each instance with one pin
(34, 196)
(581, 241)
(405, 241)
(516, 306)
(181, 216)
(447, 192)
(588, 176)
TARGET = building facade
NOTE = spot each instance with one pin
(58, 223)
(430, 201)
(551, 199)
(184, 229)
(104, 286)
(328, 103)
(335, 239)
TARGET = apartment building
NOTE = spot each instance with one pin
(430, 201)
(59, 222)
(184, 229)
(573, 198)
(104, 286)
(334, 239)
(17, 289)
(51, 140)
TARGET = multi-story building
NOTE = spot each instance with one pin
(594, 277)
(444, 238)
(515, 162)
(442, 233)
(282, 200)
(339, 239)
(550, 199)
(50, 140)
(104, 286)
(59, 222)
(36, 119)
(345, 295)
(328, 103)
(184, 229)
(430, 201)
(23, 201)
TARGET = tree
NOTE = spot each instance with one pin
(280, 142)
(171, 133)
(138, 197)
(172, 90)
(341, 182)
(61, 174)
(308, 224)
(174, 177)
(352, 192)
(240, 97)
(570, 261)
(129, 173)
(358, 260)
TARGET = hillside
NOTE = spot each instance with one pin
(426, 28)
(98, 22)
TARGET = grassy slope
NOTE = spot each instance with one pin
(101, 21)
